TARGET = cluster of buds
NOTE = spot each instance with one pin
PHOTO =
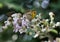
(51, 14)
(7, 23)
(37, 24)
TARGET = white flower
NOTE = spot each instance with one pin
(49, 41)
(30, 33)
(18, 15)
(37, 15)
(57, 39)
(47, 20)
(33, 20)
(4, 27)
(51, 13)
(51, 22)
(15, 30)
(45, 41)
(54, 26)
(7, 23)
(37, 24)
(22, 31)
(43, 30)
(42, 26)
(14, 15)
(9, 18)
(24, 16)
(36, 35)
(58, 24)
(52, 18)
(14, 37)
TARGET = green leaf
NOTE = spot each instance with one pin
(54, 31)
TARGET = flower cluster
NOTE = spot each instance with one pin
(31, 26)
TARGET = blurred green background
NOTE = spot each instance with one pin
(11, 6)
(21, 6)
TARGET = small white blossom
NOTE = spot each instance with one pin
(33, 20)
(54, 26)
(57, 39)
(42, 26)
(47, 20)
(58, 24)
(37, 24)
(15, 19)
(51, 13)
(18, 15)
(45, 41)
(24, 16)
(30, 33)
(51, 22)
(9, 18)
(52, 18)
(21, 31)
(37, 15)
(14, 15)
(43, 30)
(49, 41)
(36, 35)
(14, 37)
(7, 23)
(4, 27)
(40, 15)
